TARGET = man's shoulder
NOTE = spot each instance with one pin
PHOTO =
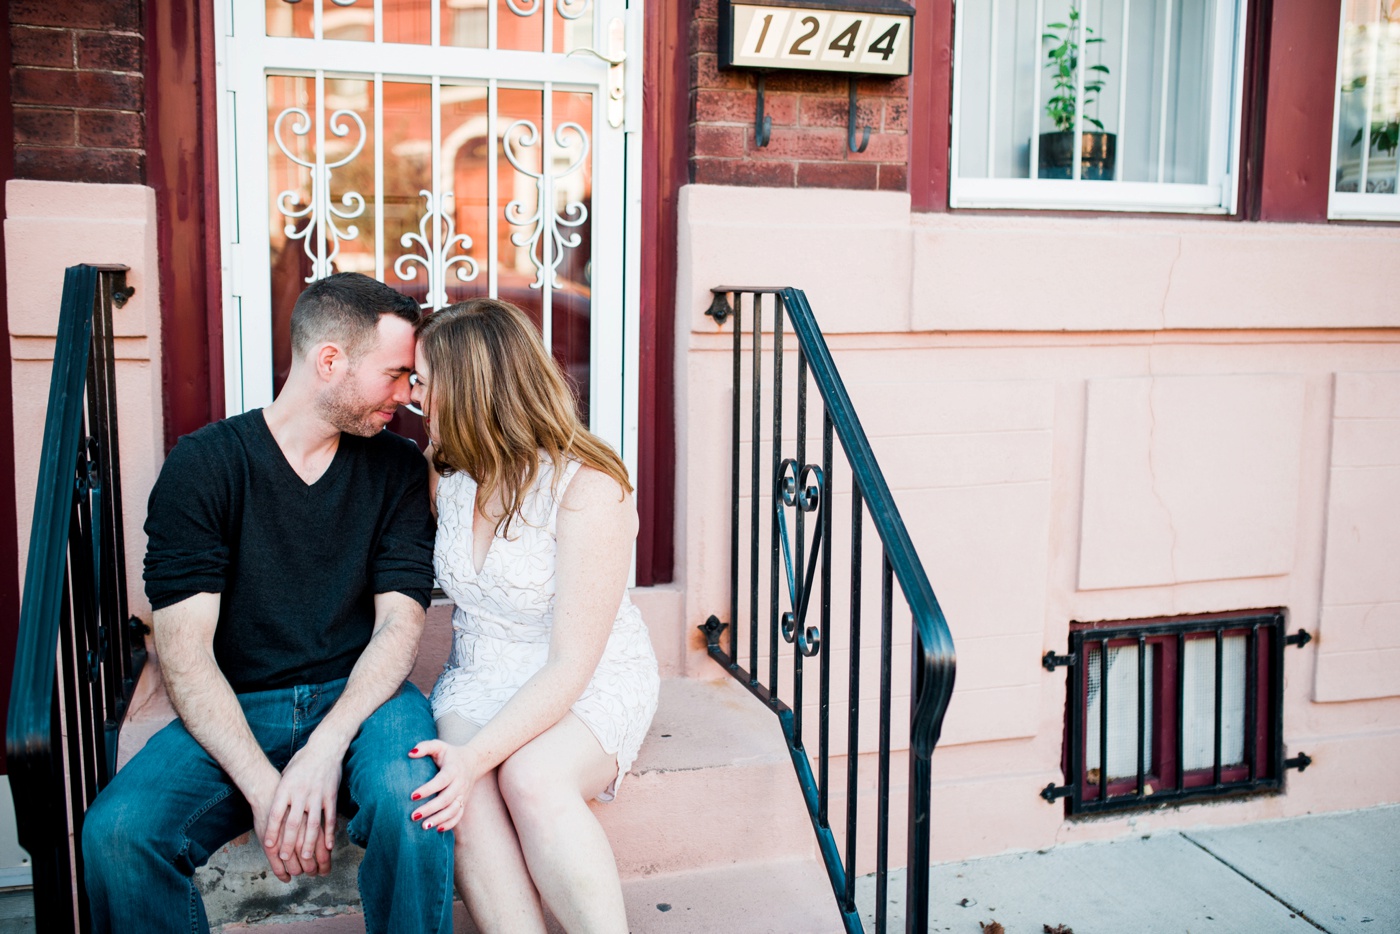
(217, 440)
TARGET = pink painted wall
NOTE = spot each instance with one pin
(1202, 416)
(50, 226)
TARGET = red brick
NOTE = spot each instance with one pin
(884, 147)
(723, 142)
(894, 178)
(705, 9)
(744, 172)
(42, 126)
(897, 114)
(48, 48)
(78, 14)
(883, 87)
(704, 35)
(109, 52)
(705, 73)
(808, 82)
(76, 88)
(118, 166)
(835, 111)
(109, 129)
(836, 175)
(742, 106)
(807, 145)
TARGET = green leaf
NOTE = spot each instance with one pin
(1056, 25)
(1102, 68)
(1095, 122)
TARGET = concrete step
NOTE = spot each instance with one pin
(778, 897)
(712, 792)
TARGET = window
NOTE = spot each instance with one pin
(1097, 104)
(1162, 710)
(1366, 119)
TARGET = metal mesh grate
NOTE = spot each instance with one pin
(1122, 711)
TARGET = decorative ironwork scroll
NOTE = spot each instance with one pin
(533, 6)
(795, 491)
(545, 221)
(321, 235)
(437, 259)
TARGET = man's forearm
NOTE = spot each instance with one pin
(203, 698)
(381, 668)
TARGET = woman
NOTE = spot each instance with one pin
(551, 682)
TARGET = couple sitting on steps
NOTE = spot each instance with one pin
(291, 556)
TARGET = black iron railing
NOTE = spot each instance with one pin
(79, 654)
(1165, 710)
(791, 599)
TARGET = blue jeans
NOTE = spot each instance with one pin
(172, 806)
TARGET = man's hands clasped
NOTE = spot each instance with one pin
(294, 817)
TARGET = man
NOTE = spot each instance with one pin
(289, 565)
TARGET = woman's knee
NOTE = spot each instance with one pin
(531, 787)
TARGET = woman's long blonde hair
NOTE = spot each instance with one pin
(499, 400)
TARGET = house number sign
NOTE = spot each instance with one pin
(851, 37)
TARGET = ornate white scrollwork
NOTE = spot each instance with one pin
(436, 262)
(321, 212)
(531, 7)
(545, 221)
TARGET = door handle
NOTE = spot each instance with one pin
(616, 57)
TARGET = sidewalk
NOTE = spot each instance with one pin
(1338, 873)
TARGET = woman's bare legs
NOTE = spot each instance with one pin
(490, 870)
(546, 785)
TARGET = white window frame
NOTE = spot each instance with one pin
(1219, 195)
(1354, 205)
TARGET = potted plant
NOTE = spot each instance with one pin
(1064, 60)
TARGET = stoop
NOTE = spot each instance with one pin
(709, 830)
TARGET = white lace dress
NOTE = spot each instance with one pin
(503, 618)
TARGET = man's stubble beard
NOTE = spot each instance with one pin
(346, 411)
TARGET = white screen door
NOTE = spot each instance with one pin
(450, 148)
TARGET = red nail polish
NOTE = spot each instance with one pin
(416, 796)
(442, 830)
(417, 816)
(428, 827)
(413, 751)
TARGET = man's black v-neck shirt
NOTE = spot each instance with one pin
(298, 565)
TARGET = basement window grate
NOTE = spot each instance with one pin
(1164, 710)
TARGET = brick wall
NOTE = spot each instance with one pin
(77, 89)
(807, 148)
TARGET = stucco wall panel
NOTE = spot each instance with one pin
(1190, 479)
(1359, 652)
(50, 226)
(985, 273)
(772, 237)
(1081, 277)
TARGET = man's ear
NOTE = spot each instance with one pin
(328, 359)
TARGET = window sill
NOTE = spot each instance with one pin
(1353, 206)
(1065, 195)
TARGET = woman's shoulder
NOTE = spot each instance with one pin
(595, 491)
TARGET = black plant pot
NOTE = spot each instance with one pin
(1096, 154)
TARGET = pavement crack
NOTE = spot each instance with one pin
(1245, 876)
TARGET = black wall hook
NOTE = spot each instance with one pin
(851, 122)
(762, 125)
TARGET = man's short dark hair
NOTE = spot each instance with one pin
(345, 308)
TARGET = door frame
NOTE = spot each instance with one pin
(614, 215)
